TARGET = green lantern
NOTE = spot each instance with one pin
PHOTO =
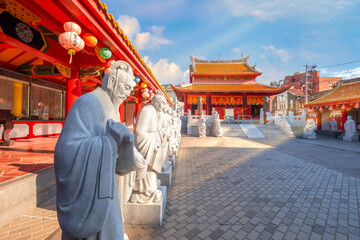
(105, 53)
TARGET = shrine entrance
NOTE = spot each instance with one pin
(255, 111)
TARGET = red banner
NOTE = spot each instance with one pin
(227, 99)
(194, 98)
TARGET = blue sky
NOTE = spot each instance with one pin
(281, 35)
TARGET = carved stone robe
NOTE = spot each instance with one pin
(85, 161)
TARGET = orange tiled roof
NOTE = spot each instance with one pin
(344, 93)
(250, 87)
(225, 68)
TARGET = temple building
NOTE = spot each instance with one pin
(52, 52)
(330, 111)
(225, 84)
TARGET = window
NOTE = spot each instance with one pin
(46, 103)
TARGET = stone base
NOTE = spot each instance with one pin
(354, 138)
(165, 175)
(173, 161)
(145, 214)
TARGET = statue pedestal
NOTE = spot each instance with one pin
(354, 138)
(172, 159)
(145, 214)
(166, 174)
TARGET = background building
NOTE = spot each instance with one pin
(315, 82)
(225, 84)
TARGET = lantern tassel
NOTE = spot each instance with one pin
(71, 52)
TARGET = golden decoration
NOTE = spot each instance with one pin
(65, 71)
(19, 11)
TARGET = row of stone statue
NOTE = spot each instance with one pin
(350, 129)
(100, 166)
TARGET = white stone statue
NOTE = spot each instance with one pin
(216, 122)
(93, 145)
(333, 125)
(350, 130)
(309, 130)
(269, 118)
(148, 143)
(202, 125)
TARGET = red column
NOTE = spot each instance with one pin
(343, 120)
(185, 103)
(318, 119)
(73, 89)
(121, 112)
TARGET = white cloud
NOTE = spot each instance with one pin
(270, 73)
(186, 76)
(142, 40)
(274, 52)
(164, 71)
(348, 73)
(276, 9)
(236, 50)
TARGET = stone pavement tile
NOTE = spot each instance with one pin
(216, 234)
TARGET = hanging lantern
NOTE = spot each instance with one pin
(90, 40)
(137, 79)
(331, 108)
(72, 42)
(343, 107)
(145, 95)
(143, 85)
(357, 106)
(109, 63)
(72, 27)
(144, 90)
(321, 109)
(105, 53)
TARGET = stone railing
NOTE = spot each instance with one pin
(296, 121)
(283, 125)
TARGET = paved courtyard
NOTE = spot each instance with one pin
(234, 188)
(238, 188)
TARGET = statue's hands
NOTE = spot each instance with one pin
(119, 132)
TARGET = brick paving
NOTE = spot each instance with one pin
(36, 224)
(235, 188)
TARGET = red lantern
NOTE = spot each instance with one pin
(357, 106)
(70, 39)
(343, 107)
(90, 40)
(321, 109)
(331, 108)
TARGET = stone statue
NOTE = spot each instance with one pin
(216, 122)
(350, 129)
(93, 145)
(148, 143)
(202, 125)
(269, 118)
(333, 125)
(309, 130)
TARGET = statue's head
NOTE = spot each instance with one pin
(119, 82)
(310, 122)
(158, 100)
(349, 117)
